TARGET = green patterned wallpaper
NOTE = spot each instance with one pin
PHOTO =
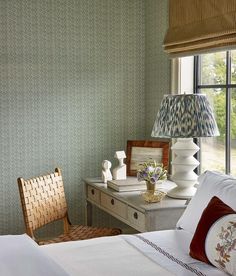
(73, 91)
(157, 63)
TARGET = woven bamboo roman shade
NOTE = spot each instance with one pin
(197, 26)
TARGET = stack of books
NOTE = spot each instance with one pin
(129, 184)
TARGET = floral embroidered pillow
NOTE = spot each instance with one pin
(220, 244)
(214, 240)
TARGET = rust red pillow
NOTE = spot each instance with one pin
(215, 209)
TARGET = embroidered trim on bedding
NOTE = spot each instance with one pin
(169, 256)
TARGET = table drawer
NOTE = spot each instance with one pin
(93, 194)
(135, 217)
(114, 205)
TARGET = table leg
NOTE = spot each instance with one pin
(88, 214)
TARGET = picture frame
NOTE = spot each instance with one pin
(139, 151)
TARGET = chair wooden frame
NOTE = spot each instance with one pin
(43, 201)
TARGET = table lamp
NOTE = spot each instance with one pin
(184, 117)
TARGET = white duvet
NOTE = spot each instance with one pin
(151, 253)
(108, 256)
(21, 256)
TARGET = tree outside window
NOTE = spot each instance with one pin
(215, 76)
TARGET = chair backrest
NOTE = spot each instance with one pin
(43, 201)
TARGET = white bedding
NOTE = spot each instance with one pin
(21, 256)
(170, 248)
(107, 256)
(151, 253)
(146, 254)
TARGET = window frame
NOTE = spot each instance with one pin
(227, 86)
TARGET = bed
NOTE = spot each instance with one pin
(151, 253)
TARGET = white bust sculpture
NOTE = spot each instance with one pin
(119, 172)
(106, 172)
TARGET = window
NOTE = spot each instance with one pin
(215, 76)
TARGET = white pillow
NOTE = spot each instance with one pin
(210, 184)
(220, 244)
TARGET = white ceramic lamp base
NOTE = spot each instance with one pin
(182, 193)
(183, 165)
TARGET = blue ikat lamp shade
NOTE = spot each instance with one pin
(185, 116)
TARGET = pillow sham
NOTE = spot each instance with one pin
(220, 245)
(210, 184)
(214, 240)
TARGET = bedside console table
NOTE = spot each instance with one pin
(130, 207)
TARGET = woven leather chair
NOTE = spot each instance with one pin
(43, 201)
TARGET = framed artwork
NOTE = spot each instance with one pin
(139, 151)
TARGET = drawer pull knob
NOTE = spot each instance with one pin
(135, 215)
(92, 191)
(112, 201)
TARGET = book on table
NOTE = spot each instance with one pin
(128, 184)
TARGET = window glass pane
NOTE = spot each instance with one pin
(233, 131)
(233, 67)
(186, 83)
(213, 148)
(213, 68)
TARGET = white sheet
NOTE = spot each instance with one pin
(20, 256)
(128, 255)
